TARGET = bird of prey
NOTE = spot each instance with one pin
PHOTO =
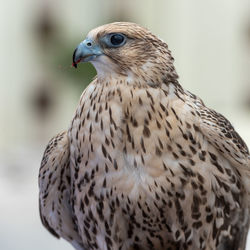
(144, 163)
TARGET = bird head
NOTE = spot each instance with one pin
(127, 50)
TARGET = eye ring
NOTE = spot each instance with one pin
(117, 39)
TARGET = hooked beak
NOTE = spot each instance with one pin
(85, 52)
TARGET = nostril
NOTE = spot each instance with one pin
(89, 44)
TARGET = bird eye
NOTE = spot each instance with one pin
(117, 39)
(113, 40)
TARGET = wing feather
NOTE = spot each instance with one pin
(54, 191)
(220, 133)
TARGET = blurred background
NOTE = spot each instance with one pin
(39, 90)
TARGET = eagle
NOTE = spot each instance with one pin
(145, 164)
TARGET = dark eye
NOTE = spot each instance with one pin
(113, 40)
(117, 39)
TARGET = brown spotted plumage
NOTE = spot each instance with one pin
(145, 164)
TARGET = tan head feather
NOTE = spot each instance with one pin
(143, 56)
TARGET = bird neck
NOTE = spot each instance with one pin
(140, 78)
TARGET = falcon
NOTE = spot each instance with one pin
(144, 163)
